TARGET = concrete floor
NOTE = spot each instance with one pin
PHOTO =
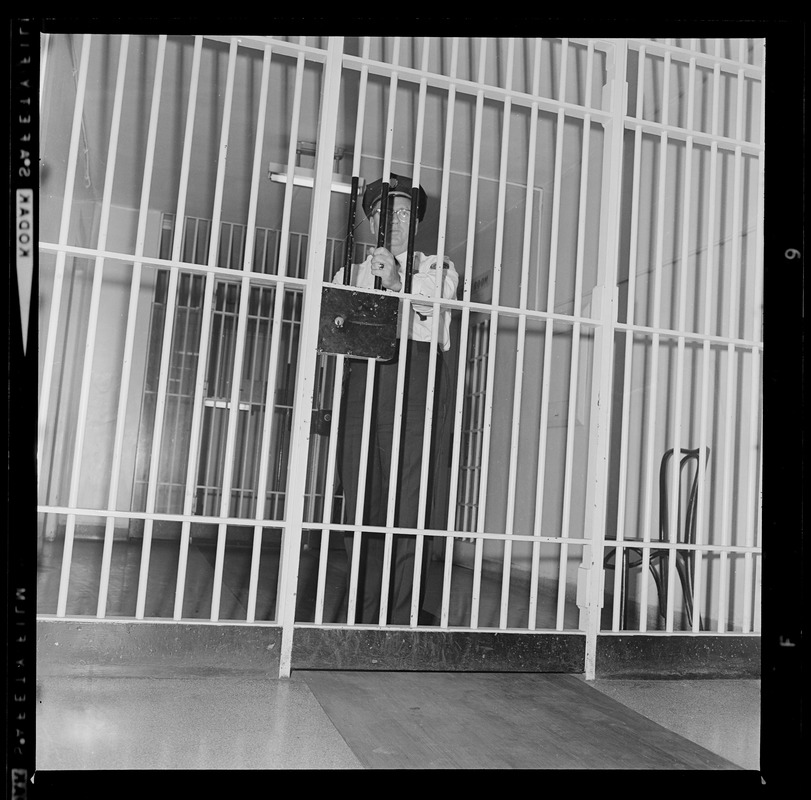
(721, 715)
(108, 720)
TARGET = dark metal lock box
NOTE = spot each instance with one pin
(358, 324)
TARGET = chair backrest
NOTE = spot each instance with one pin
(685, 534)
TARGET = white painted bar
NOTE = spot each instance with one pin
(492, 345)
(548, 336)
(731, 375)
(490, 91)
(284, 239)
(515, 433)
(674, 507)
(702, 59)
(406, 314)
(197, 405)
(371, 371)
(755, 414)
(59, 274)
(605, 303)
(573, 376)
(652, 459)
(264, 457)
(214, 520)
(622, 490)
(337, 393)
(92, 324)
(574, 358)
(225, 496)
(167, 329)
(273, 361)
(463, 337)
(129, 338)
(302, 406)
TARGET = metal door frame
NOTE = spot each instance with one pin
(601, 386)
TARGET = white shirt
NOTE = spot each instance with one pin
(423, 283)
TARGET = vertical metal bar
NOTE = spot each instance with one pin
(225, 497)
(629, 344)
(354, 566)
(546, 379)
(754, 389)
(59, 274)
(264, 451)
(515, 434)
(573, 373)
(371, 368)
(247, 451)
(757, 601)
(92, 324)
(654, 371)
(132, 314)
(706, 349)
(284, 242)
(302, 406)
(200, 379)
(166, 347)
(253, 581)
(680, 264)
(575, 359)
(492, 351)
(183, 349)
(245, 289)
(339, 371)
(605, 299)
(732, 372)
(405, 317)
(439, 288)
(463, 333)
(329, 491)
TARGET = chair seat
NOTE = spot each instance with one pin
(634, 558)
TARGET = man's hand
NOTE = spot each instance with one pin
(385, 267)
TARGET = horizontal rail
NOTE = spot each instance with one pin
(696, 137)
(247, 522)
(236, 276)
(707, 60)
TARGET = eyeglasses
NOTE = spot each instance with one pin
(403, 214)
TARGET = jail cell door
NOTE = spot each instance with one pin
(253, 387)
(219, 372)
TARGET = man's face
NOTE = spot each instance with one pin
(397, 234)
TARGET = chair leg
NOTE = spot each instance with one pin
(684, 566)
(661, 586)
(623, 589)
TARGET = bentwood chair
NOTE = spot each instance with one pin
(685, 534)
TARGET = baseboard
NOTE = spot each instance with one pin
(66, 646)
(675, 655)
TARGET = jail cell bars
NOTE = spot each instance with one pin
(517, 448)
(194, 333)
(688, 342)
(184, 408)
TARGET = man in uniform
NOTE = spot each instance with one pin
(389, 264)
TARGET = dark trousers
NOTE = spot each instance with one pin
(379, 472)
